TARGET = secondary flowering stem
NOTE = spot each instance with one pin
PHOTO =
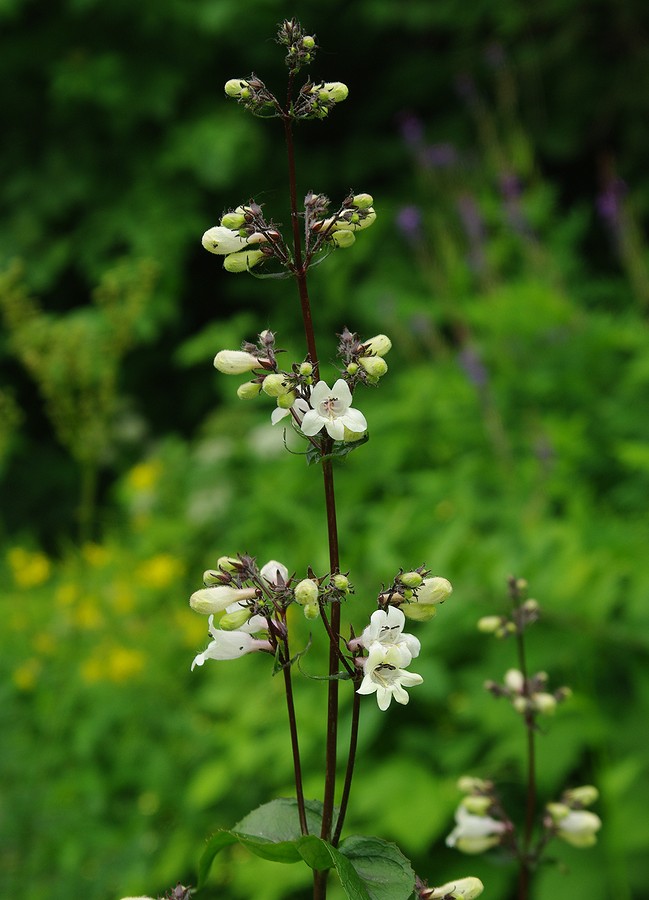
(351, 759)
(295, 748)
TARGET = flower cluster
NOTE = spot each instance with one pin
(312, 408)
(476, 827)
(528, 696)
(244, 239)
(570, 821)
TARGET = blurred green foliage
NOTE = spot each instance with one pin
(510, 434)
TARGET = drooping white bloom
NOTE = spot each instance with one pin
(385, 677)
(233, 644)
(474, 834)
(431, 593)
(386, 627)
(272, 570)
(578, 827)
(217, 599)
(332, 410)
(222, 240)
(460, 889)
(300, 408)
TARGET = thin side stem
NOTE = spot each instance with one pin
(349, 772)
(295, 747)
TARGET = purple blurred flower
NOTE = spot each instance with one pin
(511, 191)
(473, 367)
(409, 222)
(438, 156)
(412, 129)
(474, 229)
(609, 202)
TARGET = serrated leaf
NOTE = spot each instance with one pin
(383, 869)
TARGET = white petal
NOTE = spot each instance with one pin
(367, 685)
(400, 695)
(319, 393)
(278, 414)
(355, 421)
(410, 679)
(312, 423)
(270, 571)
(341, 391)
(383, 697)
(335, 428)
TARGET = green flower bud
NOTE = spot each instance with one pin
(308, 42)
(469, 785)
(363, 201)
(286, 401)
(234, 620)
(514, 680)
(410, 579)
(227, 563)
(352, 368)
(233, 220)
(306, 368)
(490, 624)
(306, 592)
(544, 703)
(375, 366)
(520, 704)
(311, 610)
(243, 260)
(473, 803)
(335, 91)
(342, 238)
(340, 582)
(379, 345)
(248, 390)
(212, 600)
(238, 88)
(459, 889)
(350, 437)
(235, 362)
(275, 385)
(432, 592)
(584, 796)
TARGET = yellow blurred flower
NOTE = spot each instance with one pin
(123, 597)
(113, 663)
(44, 643)
(87, 614)
(66, 594)
(145, 475)
(26, 675)
(190, 627)
(160, 571)
(29, 569)
(95, 555)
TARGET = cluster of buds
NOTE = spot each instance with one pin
(363, 360)
(570, 820)
(503, 626)
(417, 594)
(244, 239)
(528, 696)
(300, 47)
(316, 100)
(459, 889)
(480, 822)
(252, 93)
(338, 230)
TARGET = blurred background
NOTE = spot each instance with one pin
(505, 146)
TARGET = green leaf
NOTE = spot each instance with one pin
(383, 869)
(339, 450)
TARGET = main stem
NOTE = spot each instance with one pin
(290, 706)
(319, 878)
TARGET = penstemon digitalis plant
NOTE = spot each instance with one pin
(251, 607)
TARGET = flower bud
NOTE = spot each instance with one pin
(335, 91)
(222, 241)
(490, 624)
(459, 889)
(362, 201)
(350, 437)
(584, 796)
(234, 620)
(286, 401)
(215, 599)
(308, 42)
(306, 592)
(306, 368)
(557, 811)
(469, 785)
(228, 563)
(544, 703)
(248, 390)
(410, 579)
(275, 385)
(235, 362)
(514, 680)
(237, 87)
(432, 592)
(242, 261)
(340, 582)
(520, 703)
(274, 570)
(352, 368)
(579, 827)
(311, 610)
(379, 345)
(342, 238)
(374, 366)
(233, 220)
(478, 805)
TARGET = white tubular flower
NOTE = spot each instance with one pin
(221, 240)
(332, 410)
(230, 645)
(385, 677)
(217, 599)
(578, 827)
(460, 889)
(430, 595)
(474, 834)
(274, 572)
(386, 627)
(235, 362)
(300, 408)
